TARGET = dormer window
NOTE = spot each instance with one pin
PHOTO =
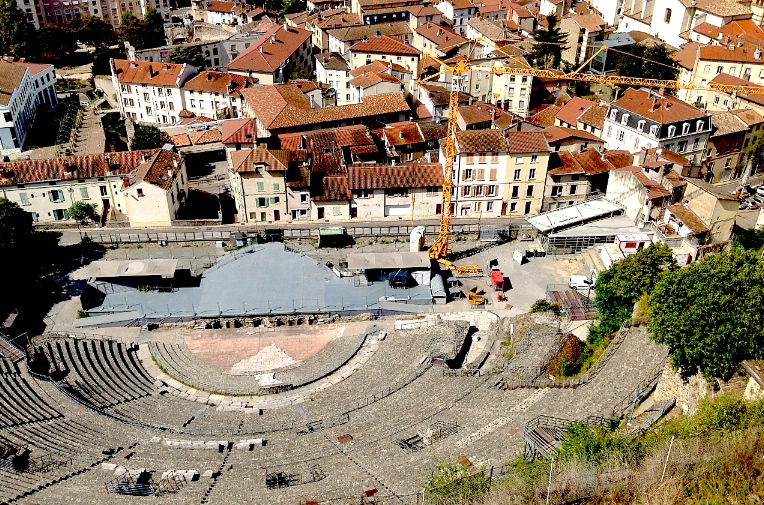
(641, 125)
(625, 119)
(671, 131)
(613, 114)
(685, 128)
(699, 125)
(654, 130)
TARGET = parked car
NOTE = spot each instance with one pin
(580, 282)
(755, 202)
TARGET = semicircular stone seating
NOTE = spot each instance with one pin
(177, 360)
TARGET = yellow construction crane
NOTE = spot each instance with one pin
(440, 247)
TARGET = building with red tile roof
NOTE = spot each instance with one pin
(342, 39)
(258, 183)
(238, 133)
(150, 92)
(458, 11)
(560, 138)
(438, 40)
(388, 190)
(216, 94)
(280, 46)
(284, 108)
(385, 49)
(568, 115)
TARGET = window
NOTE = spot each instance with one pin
(671, 131)
(620, 136)
(56, 195)
(60, 214)
(481, 158)
(609, 131)
(707, 69)
(529, 191)
(146, 96)
(613, 114)
(491, 190)
(699, 125)
(492, 174)
(103, 190)
(667, 16)
(527, 207)
(519, 158)
(515, 191)
(261, 186)
(534, 158)
(532, 173)
(720, 69)
(625, 119)
(682, 147)
(470, 159)
(467, 174)
(695, 143)
(513, 207)
(517, 174)
(573, 189)
(685, 128)
(84, 193)
(481, 174)
(654, 130)
(35, 217)
(337, 210)
(641, 125)
(636, 142)
(732, 70)
(139, 191)
(489, 206)
(261, 202)
(24, 200)
(521, 104)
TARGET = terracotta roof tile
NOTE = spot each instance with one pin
(670, 109)
(34, 68)
(558, 133)
(356, 33)
(219, 82)
(238, 131)
(717, 192)
(731, 79)
(723, 8)
(472, 114)
(378, 66)
(71, 167)
(574, 109)
(271, 50)
(590, 22)
(221, 6)
(195, 119)
(146, 72)
(654, 190)
(180, 140)
(481, 141)
(422, 11)
(399, 176)
(372, 78)
(526, 142)
(723, 53)
(440, 35)
(354, 135)
(545, 118)
(748, 116)
(686, 57)
(11, 76)
(594, 116)
(156, 170)
(689, 218)
(403, 133)
(244, 161)
(384, 44)
(432, 130)
(333, 188)
(332, 61)
(205, 137)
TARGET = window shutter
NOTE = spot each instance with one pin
(50, 196)
(493, 174)
(273, 200)
(485, 190)
(481, 174)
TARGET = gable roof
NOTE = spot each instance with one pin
(333, 188)
(480, 141)
(378, 66)
(271, 50)
(688, 218)
(146, 72)
(279, 108)
(402, 133)
(274, 159)
(385, 44)
(71, 167)
(372, 78)
(238, 131)
(472, 114)
(488, 28)
(332, 61)
(34, 68)
(219, 82)
(715, 191)
(594, 116)
(654, 190)
(724, 78)
(398, 176)
(555, 134)
(545, 118)
(440, 35)
(355, 33)
(221, 6)
(526, 142)
(11, 76)
(748, 116)
(723, 53)
(574, 109)
(156, 170)
(670, 109)
(590, 162)
(589, 22)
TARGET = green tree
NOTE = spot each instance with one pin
(292, 6)
(83, 212)
(188, 54)
(750, 239)
(16, 33)
(549, 43)
(710, 313)
(544, 305)
(55, 43)
(148, 137)
(15, 226)
(619, 288)
(452, 482)
(155, 36)
(652, 62)
(93, 31)
(757, 156)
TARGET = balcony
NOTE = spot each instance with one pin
(668, 235)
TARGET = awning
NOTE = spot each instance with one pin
(574, 214)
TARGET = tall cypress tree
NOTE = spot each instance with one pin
(548, 44)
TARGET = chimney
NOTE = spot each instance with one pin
(175, 162)
(209, 76)
(470, 99)
(125, 182)
(286, 26)
(169, 173)
(146, 158)
(273, 39)
(757, 54)
(261, 49)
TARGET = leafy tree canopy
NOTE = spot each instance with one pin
(15, 226)
(549, 43)
(710, 313)
(757, 156)
(750, 239)
(291, 7)
(188, 54)
(83, 212)
(148, 137)
(16, 33)
(93, 31)
(145, 33)
(618, 288)
(652, 62)
(55, 43)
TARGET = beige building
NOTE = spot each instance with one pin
(398, 190)
(47, 188)
(385, 49)
(330, 201)
(40, 12)
(511, 91)
(715, 207)
(258, 184)
(154, 192)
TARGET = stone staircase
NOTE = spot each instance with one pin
(592, 259)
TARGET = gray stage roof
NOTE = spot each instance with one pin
(132, 268)
(577, 213)
(388, 261)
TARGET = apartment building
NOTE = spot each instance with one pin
(272, 57)
(644, 118)
(342, 39)
(150, 92)
(439, 41)
(499, 173)
(511, 91)
(582, 30)
(722, 64)
(155, 191)
(25, 88)
(47, 188)
(216, 95)
(258, 183)
(332, 69)
(460, 12)
(395, 190)
(40, 12)
(386, 49)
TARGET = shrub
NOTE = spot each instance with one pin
(543, 305)
(452, 483)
